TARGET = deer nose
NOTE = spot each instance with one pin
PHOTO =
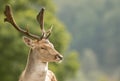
(59, 57)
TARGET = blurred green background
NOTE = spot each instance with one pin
(86, 32)
(95, 29)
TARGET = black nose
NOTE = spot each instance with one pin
(60, 57)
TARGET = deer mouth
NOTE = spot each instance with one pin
(58, 58)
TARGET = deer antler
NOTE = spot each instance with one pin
(9, 18)
(40, 19)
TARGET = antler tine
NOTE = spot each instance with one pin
(40, 19)
(9, 18)
(49, 32)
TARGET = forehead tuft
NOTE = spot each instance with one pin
(45, 41)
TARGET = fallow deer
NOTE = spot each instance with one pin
(41, 52)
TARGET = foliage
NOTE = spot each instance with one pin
(13, 50)
(70, 64)
(95, 25)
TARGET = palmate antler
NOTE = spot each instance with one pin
(40, 19)
(10, 19)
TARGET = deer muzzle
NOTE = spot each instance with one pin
(58, 57)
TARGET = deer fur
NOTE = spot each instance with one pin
(41, 50)
(40, 54)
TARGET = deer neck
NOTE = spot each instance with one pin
(35, 70)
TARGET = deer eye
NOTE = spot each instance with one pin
(43, 48)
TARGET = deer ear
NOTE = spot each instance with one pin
(28, 41)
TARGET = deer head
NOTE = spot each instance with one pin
(43, 48)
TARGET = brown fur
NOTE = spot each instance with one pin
(40, 54)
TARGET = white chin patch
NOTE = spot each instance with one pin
(60, 61)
